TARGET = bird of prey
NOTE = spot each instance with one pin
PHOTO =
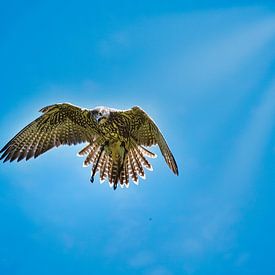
(116, 140)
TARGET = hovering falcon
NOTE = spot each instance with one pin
(115, 138)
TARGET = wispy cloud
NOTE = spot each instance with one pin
(217, 214)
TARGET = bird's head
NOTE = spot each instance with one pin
(100, 114)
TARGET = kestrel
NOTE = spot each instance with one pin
(116, 140)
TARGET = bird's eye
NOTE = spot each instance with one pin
(100, 113)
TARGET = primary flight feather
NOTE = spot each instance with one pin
(115, 138)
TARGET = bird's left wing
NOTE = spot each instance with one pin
(59, 124)
(145, 132)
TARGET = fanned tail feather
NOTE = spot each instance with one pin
(92, 155)
(132, 167)
(109, 167)
(115, 172)
(110, 164)
(122, 177)
(104, 169)
(86, 150)
(126, 172)
(138, 162)
(146, 152)
(143, 160)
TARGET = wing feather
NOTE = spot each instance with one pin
(145, 132)
(59, 124)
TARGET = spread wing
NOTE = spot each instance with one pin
(59, 124)
(145, 132)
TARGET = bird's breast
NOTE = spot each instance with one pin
(115, 130)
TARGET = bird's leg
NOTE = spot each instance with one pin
(123, 160)
(97, 161)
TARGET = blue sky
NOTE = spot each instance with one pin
(205, 72)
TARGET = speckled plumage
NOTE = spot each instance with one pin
(115, 140)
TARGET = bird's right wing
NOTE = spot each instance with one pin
(145, 132)
(59, 124)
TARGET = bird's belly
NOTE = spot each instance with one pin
(116, 149)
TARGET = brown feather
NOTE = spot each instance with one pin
(59, 124)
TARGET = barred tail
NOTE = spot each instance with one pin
(134, 163)
(117, 169)
(115, 172)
